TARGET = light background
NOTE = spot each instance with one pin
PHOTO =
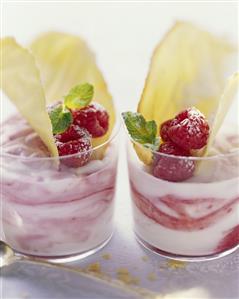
(123, 36)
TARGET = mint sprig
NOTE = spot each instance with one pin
(140, 130)
(79, 96)
(61, 119)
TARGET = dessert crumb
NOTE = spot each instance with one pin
(124, 275)
(25, 295)
(174, 264)
(145, 258)
(106, 256)
(152, 276)
(95, 267)
(161, 267)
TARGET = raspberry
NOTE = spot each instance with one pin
(72, 133)
(164, 128)
(191, 130)
(94, 118)
(172, 169)
(81, 146)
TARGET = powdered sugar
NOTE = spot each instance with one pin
(191, 130)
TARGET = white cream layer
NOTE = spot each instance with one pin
(201, 242)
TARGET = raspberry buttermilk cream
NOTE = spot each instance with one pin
(196, 217)
(49, 210)
(58, 151)
(183, 152)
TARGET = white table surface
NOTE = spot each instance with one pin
(123, 35)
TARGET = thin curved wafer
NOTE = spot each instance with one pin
(187, 69)
(22, 84)
(65, 61)
(228, 95)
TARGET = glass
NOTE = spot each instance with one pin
(195, 219)
(54, 211)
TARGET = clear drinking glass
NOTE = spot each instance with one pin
(195, 219)
(54, 211)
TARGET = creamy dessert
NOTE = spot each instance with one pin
(51, 211)
(58, 178)
(183, 170)
(196, 217)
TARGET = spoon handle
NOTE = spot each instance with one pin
(101, 278)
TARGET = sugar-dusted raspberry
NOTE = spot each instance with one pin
(174, 169)
(164, 128)
(79, 148)
(72, 133)
(170, 148)
(191, 130)
(94, 118)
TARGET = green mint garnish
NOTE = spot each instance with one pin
(61, 119)
(79, 96)
(140, 130)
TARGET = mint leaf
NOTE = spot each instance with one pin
(61, 119)
(151, 128)
(79, 96)
(141, 131)
(153, 146)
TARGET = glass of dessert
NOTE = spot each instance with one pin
(184, 161)
(58, 154)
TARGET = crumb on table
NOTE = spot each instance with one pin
(145, 258)
(106, 256)
(174, 264)
(124, 275)
(95, 267)
(152, 276)
(24, 295)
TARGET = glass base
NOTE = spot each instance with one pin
(184, 258)
(68, 258)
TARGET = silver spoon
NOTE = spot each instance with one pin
(8, 256)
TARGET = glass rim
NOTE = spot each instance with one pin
(193, 158)
(114, 133)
